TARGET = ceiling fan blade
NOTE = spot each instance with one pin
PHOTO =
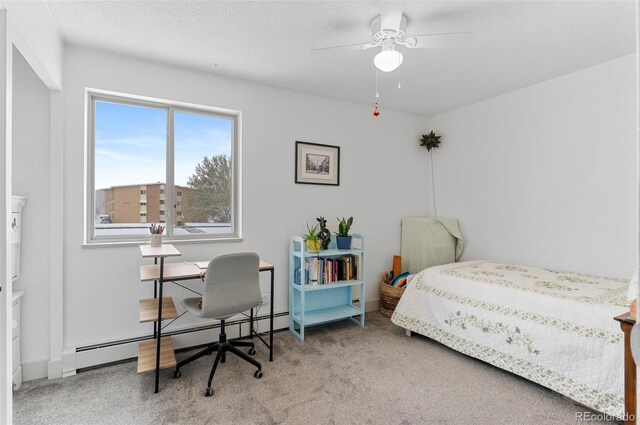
(451, 39)
(390, 15)
(358, 46)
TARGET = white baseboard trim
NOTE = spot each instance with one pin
(68, 361)
(372, 305)
(54, 369)
(17, 378)
(34, 370)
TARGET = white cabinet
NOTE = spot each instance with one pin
(17, 203)
(15, 340)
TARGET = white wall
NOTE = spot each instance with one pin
(29, 27)
(546, 175)
(542, 176)
(30, 163)
(381, 168)
(38, 32)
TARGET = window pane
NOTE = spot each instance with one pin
(203, 173)
(129, 173)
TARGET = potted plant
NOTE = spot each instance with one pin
(343, 240)
(312, 239)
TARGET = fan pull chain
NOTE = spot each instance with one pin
(376, 112)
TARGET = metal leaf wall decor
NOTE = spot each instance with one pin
(430, 140)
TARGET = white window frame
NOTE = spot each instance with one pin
(91, 96)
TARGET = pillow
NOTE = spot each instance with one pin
(400, 281)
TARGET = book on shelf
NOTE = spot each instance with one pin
(323, 271)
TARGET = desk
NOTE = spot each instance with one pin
(196, 270)
(164, 356)
(164, 272)
(626, 323)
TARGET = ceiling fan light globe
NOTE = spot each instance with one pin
(388, 60)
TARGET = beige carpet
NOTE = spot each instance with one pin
(340, 374)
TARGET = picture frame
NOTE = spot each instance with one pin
(317, 164)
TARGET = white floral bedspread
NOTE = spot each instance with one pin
(553, 328)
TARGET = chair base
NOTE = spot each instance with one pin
(222, 347)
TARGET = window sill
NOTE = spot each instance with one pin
(114, 244)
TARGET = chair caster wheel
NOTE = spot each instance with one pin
(258, 374)
(208, 392)
(177, 374)
(252, 351)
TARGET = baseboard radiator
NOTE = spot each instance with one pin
(78, 359)
(103, 354)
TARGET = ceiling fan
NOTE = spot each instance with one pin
(388, 31)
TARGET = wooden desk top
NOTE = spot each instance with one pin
(265, 266)
(164, 250)
(204, 264)
(625, 318)
(182, 271)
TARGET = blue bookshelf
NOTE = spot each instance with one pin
(322, 286)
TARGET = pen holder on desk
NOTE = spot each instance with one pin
(154, 239)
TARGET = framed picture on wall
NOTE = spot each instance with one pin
(317, 164)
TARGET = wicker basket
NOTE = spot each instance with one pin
(389, 296)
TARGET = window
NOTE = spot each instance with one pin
(149, 152)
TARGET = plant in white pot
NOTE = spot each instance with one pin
(343, 240)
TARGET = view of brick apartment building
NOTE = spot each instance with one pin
(144, 203)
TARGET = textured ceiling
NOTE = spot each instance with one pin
(516, 43)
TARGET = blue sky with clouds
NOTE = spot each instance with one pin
(131, 143)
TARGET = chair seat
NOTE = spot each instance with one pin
(194, 306)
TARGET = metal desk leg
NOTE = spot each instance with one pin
(160, 282)
(271, 321)
(251, 324)
(155, 295)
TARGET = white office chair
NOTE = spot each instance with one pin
(231, 286)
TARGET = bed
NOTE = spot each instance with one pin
(553, 328)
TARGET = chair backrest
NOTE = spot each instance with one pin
(231, 285)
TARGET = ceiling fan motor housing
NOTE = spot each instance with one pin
(378, 34)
